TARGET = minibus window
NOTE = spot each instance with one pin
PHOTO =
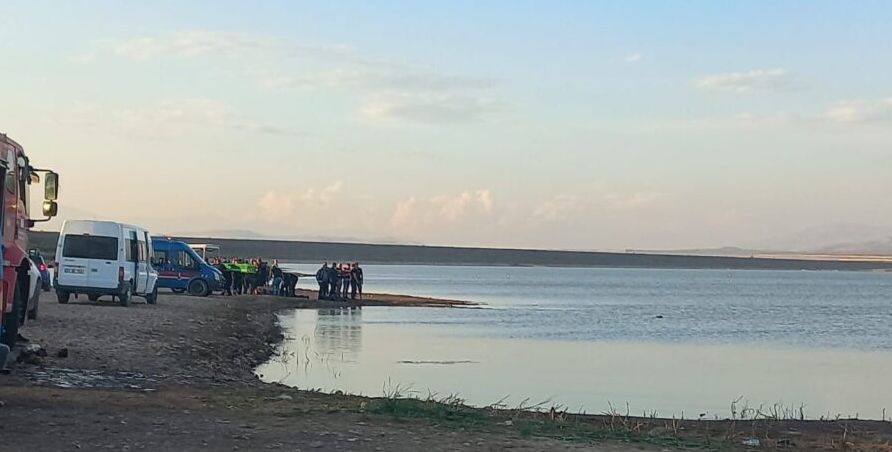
(90, 247)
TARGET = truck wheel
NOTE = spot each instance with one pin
(92, 297)
(12, 319)
(62, 297)
(178, 290)
(124, 298)
(152, 298)
(199, 288)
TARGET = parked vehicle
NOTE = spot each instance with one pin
(181, 269)
(15, 196)
(98, 258)
(33, 291)
(40, 262)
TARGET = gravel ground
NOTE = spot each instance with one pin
(179, 376)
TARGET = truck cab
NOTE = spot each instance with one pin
(16, 219)
(181, 269)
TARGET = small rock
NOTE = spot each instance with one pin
(62, 353)
(317, 444)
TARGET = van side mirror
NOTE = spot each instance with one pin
(51, 187)
(50, 209)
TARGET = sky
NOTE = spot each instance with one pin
(536, 124)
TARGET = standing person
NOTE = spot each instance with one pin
(334, 282)
(238, 278)
(227, 277)
(356, 272)
(262, 277)
(345, 281)
(289, 281)
(322, 280)
(277, 278)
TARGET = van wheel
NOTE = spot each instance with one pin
(92, 297)
(12, 320)
(152, 298)
(63, 297)
(124, 298)
(178, 290)
(32, 314)
(199, 288)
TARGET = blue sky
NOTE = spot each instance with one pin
(585, 125)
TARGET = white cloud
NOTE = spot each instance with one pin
(199, 43)
(430, 108)
(305, 205)
(861, 112)
(413, 215)
(166, 116)
(754, 80)
(393, 90)
(376, 79)
(633, 58)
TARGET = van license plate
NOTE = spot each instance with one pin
(76, 271)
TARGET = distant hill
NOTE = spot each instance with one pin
(316, 252)
(819, 239)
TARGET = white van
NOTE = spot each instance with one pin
(97, 258)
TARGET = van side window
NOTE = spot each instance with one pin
(160, 258)
(130, 248)
(184, 260)
(142, 251)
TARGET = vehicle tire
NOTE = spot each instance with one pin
(199, 288)
(152, 298)
(124, 298)
(62, 297)
(32, 314)
(11, 321)
(93, 297)
(178, 290)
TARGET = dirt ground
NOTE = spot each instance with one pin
(178, 376)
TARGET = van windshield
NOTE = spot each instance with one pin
(90, 247)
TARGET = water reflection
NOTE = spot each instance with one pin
(335, 350)
(317, 342)
(338, 331)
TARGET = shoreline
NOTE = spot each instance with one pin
(380, 299)
(180, 376)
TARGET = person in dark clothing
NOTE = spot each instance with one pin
(262, 274)
(322, 280)
(289, 286)
(334, 282)
(227, 277)
(238, 282)
(356, 281)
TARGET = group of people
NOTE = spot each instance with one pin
(339, 281)
(254, 276)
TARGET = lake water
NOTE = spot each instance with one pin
(669, 341)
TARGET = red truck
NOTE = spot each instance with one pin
(15, 183)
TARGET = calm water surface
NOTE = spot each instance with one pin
(585, 337)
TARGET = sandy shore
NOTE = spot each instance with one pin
(383, 299)
(179, 376)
